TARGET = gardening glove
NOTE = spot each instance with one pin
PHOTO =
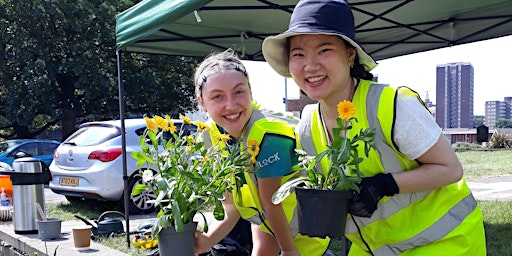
(371, 190)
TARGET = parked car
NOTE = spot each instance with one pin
(89, 163)
(43, 150)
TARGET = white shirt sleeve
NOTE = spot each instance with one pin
(416, 131)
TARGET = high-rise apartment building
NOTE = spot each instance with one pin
(496, 110)
(454, 95)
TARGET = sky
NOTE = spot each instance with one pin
(490, 60)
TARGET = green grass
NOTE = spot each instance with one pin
(477, 165)
(481, 164)
(498, 227)
(90, 210)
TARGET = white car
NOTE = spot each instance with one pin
(88, 164)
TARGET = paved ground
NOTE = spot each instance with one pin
(495, 188)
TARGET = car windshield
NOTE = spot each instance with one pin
(92, 135)
(5, 145)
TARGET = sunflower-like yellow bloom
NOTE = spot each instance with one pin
(191, 139)
(253, 148)
(161, 123)
(224, 137)
(172, 127)
(151, 124)
(185, 119)
(202, 126)
(346, 109)
(168, 119)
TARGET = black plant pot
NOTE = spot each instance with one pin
(171, 243)
(322, 213)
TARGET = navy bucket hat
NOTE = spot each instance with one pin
(328, 17)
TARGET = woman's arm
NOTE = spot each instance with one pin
(276, 215)
(440, 167)
(419, 137)
(219, 229)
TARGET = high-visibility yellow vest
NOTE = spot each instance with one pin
(444, 221)
(246, 197)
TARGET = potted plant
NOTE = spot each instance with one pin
(320, 191)
(187, 178)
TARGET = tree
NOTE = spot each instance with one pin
(503, 123)
(60, 67)
(477, 121)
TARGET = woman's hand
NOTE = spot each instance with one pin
(201, 242)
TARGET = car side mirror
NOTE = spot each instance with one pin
(21, 154)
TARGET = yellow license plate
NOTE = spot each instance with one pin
(68, 181)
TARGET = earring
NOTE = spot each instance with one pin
(352, 65)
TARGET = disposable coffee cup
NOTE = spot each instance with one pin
(82, 237)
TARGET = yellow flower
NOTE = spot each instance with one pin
(172, 127)
(185, 119)
(151, 124)
(346, 109)
(168, 119)
(191, 139)
(253, 149)
(161, 123)
(224, 137)
(206, 159)
(202, 126)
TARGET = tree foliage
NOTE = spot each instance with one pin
(59, 68)
(504, 123)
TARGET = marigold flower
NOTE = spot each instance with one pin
(161, 123)
(202, 126)
(346, 109)
(191, 139)
(185, 119)
(151, 124)
(172, 127)
(168, 119)
(224, 137)
(253, 148)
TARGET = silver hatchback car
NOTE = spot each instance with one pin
(88, 164)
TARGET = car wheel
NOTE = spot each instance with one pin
(139, 204)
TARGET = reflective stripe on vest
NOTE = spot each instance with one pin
(385, 225)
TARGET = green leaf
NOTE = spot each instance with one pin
(139, 189)
(344, 151)
(218, 211)
(287, 189)
(176, 213)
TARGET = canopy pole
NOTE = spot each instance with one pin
(123, 140)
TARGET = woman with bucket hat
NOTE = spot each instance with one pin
(224, 92)
(413, 200)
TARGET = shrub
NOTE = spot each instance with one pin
(500, 140)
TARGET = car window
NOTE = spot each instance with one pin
(48, 148)
(183, 130)
(92, 135)
(7, 145)
(188, 129)
(29, 148)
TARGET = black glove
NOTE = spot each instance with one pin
(371, 190)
